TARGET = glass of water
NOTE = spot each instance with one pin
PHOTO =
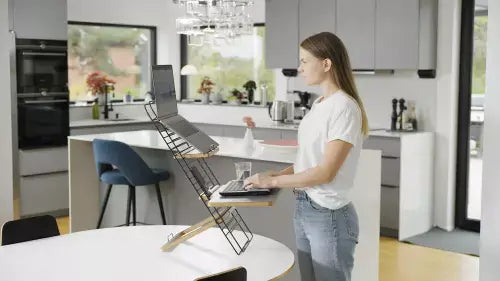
(243, 170)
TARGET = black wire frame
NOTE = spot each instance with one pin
(227, 219)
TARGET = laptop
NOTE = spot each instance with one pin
(166, 107)
(236, 188)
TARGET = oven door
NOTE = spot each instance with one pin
(43, 121)
(42, 70)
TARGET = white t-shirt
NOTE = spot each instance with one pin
(337, 117)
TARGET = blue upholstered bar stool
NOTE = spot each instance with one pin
(118, 163)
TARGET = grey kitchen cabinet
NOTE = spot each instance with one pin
(397, 34)
(316, 16)
(289, 134)
(36, 19)
(99, 129)
(356, 28)
(428, 34)
(43, 160)
(44, 194)
(282, 33)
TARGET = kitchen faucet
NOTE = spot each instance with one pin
(106, 108)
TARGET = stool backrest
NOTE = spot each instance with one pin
(108, 153)
(236, 274)
(28, 229)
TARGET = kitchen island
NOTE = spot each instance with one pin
(183, 207)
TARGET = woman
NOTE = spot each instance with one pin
(330, 137)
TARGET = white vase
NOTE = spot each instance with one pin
(248, 141)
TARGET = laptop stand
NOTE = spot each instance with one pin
(227, 218)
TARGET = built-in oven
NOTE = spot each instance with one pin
(42, 93)
(43, 121)
(42, 66)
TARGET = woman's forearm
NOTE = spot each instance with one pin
(286, 171)
(307, 178)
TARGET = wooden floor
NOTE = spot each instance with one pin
(406, 262)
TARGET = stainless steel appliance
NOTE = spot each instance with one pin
(42, 93)
(277, 111)
(303, 106)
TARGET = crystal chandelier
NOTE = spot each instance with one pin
(208, 21)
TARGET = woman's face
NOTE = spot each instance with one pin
(314, 70)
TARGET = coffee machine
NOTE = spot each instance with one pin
(303, 106)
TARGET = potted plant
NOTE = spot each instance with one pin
(97, 83)
(250, 87)
(205, 89)
(235, 97)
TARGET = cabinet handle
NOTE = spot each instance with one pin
(389, 186)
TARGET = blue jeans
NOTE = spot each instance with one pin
(326, 239)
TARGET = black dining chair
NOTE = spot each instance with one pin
(28, 229)
(235, 274)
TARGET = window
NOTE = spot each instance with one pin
(228, 64)
(124, 53)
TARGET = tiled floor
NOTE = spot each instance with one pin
(405, 262)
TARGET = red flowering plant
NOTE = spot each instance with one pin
(206, 86)
(248, 120)
(96, 82)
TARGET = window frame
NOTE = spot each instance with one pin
(184, 46)
(153, 45)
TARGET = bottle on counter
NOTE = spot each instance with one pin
(412, 117)
(263, 95)
(95, 110)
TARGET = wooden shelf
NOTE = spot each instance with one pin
(197, 155)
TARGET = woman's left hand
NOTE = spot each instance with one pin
(259, 180)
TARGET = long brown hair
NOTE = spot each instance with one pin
(326, 45)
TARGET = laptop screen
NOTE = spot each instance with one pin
(164, 90)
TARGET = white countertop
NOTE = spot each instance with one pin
(228, 147)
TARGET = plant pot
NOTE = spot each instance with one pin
(205, 98)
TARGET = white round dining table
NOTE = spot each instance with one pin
(133, 254)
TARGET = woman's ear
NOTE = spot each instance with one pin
(327, 65)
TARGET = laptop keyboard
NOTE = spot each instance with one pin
(235, 186)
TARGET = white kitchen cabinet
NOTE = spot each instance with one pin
(289, 134)
(356, 28)
(316, 16)
(37, 19)
(282, 33)
(406, 183)
(397, 34)
(44, 194)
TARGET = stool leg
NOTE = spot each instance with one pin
(133, 206)
(101, 215)
(158, 194)
(129, 202)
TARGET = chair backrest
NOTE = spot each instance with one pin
(108, 153)
(235, 274)
(28, 229)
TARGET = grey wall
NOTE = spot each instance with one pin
(490, 220)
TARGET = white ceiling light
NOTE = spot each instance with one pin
(206, 20)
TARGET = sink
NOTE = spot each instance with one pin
(120, 119)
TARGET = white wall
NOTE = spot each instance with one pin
(490, 209)
(6, 147)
